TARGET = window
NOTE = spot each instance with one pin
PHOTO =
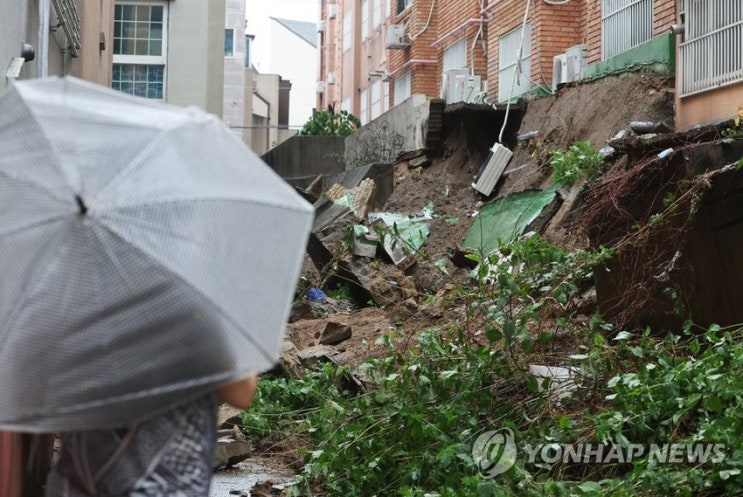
(513, 82)
(346, 104)
(363, 112)
(385, 96)
(377, 14)
(248, 46)
(403, 4)
(455, 56)
(624, 25)
(347, 30)
(365, 19)
(710, 52)
(376, 99)
(139, 53)
(402, 88)
(229, 42)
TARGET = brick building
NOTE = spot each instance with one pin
(376, 53)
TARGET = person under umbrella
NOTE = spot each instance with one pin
(149, 263)
(170, 454)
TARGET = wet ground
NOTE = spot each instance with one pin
(237, 481)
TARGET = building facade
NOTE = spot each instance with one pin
(56, 37)
(709, 76)
(474, 50)
(236, 60)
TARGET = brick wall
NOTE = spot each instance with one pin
(461, 19)
(664, 14)
(554, 28)
(420, 57)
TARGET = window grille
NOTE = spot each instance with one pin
(711, 52)
(625, 24)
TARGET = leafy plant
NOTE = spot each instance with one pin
(329, 122)
(410, 430)
(579, 160)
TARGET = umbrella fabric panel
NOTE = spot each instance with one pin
(72, 128)
(147, 256)
(156, 338)
(177, 166)
(243, 256)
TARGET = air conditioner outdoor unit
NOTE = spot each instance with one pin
(449, 83)
(569, 66)
(330, 79)
(321, 26)
(559, 70)
(396, 37)
(577, 59)
(332, 10)
(459, 86)
(320, 87)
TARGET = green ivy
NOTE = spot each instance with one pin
(329, 122)
(579, 160)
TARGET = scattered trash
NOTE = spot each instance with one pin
(665, 153)
(607, 151)
(618, 136)
(527, 136)
(645, 127)
(315, 295)
(557, 380)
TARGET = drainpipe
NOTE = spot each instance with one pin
(42, 63)
(268, 126)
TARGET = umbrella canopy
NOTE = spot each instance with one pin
(146, 256)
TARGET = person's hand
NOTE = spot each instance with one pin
(239, 394)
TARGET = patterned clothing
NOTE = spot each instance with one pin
(170, 455)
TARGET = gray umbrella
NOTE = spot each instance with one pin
(146, 256)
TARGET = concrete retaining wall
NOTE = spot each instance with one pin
(300, 159)
(402, 129)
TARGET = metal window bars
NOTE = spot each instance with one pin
(69, 20)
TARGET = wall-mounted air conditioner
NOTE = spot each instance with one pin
(330, 79)
(332, 10)
(321, 26)
(577, 59)
(569, 66)
(396, 37)
(320, 87)
(559, 70)
(457, 85)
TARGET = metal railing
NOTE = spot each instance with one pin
(69, 20)
(625, 24)
(711, 53)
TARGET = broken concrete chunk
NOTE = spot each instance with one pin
(335, 332)
(422, 161)
(230, 451)
(318, 354)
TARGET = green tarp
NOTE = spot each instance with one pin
(505, 219)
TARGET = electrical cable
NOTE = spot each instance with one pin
(516, 71)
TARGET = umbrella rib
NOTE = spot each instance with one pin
(144, 223)
(35, 186)
(165, 267)
(263, 202)
(24, 227)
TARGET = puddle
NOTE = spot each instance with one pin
(238, 480)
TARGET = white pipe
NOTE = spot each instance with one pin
(430, 14)
(516, 71)
(42, 61)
